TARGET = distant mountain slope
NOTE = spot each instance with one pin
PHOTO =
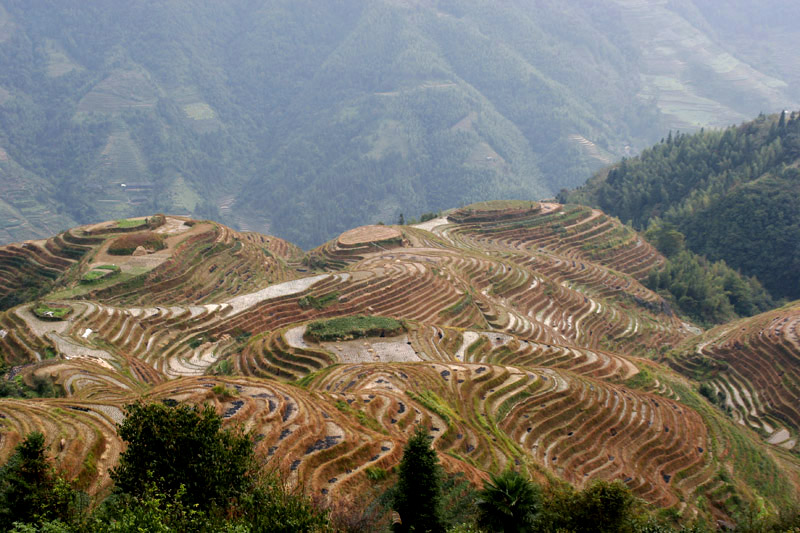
(302, 118)
(735, 194)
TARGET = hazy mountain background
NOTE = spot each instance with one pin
(303, 118)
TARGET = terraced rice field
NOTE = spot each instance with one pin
(753, 370)
(528, 340)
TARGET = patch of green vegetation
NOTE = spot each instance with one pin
(376, 473)
(223, 368)
(306, 380)
(319, 303)
(475, 346)
(196, 342)
(433, 402)
(353, 327)
(643, 380)
(513, 400)
(51, 312)
(100, 272)
(223, 392)
(199, 111)
(39, 387)
(459, 306)
(131, 222)
(241, 336)
(363, 418)
(85, 288)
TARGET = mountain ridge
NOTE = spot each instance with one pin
(279, 117)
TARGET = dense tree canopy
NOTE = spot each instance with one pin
(734, 194)
(183, 449)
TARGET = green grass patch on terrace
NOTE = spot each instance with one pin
(84, 288)
(433, 402)
(320, 302)
(499, 205)
(353, 327)
(642, 380)
(100, 272)
(363, 418)
(131, 222)
(51, 312)
(459, 306)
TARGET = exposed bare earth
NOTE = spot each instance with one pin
(367, 234)
(374, 350)
(430, 224)
(245, 301)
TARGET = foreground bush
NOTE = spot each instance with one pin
(180, 472)
(30, 489)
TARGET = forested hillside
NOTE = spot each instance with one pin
(303, 118)
(733, 194)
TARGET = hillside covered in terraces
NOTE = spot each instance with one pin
(520, 333)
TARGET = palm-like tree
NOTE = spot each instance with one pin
(508, 503)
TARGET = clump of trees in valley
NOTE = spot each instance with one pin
(710, 292)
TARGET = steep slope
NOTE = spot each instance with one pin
(278, 116)
(750, 368)
(522, 336)
(733, 193)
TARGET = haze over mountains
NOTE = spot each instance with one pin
(304, 118)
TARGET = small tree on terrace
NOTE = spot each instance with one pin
(417, 494)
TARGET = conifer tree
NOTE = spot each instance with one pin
(417, 494)
(30, 490)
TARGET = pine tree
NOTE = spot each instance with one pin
(30, 490)
(417, 494)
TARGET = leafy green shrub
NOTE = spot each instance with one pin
(224, 392)
(376, 473)
(223, 368)
(508, 502)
